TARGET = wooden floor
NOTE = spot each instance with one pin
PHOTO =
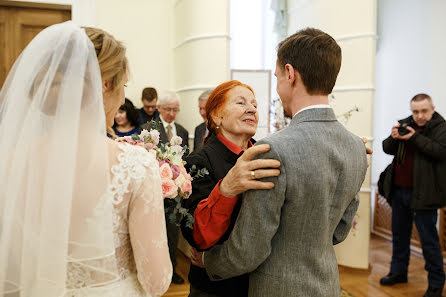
(358, 283)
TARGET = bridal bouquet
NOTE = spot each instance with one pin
(175, 180)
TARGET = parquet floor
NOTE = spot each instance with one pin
(358, 283)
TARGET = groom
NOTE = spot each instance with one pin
(284, 237)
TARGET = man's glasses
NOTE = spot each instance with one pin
(175, 110)
(150, 106)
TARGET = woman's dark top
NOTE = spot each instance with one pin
(121, 134)
(218, 160)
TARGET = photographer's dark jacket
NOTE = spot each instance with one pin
(429, 167)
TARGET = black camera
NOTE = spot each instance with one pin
(402, 129)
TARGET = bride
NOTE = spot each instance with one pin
(80, 215)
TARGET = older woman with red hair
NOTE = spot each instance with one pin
(227, 154)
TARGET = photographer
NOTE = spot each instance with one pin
(416, 189)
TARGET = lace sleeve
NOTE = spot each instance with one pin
(148, 237)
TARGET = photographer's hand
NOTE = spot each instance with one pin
(395, 134)
(408, 135)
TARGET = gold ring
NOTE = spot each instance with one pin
(253, 175)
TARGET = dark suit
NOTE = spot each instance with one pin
(172, 229)
(181, 131)
(200, 132)
(144, 117)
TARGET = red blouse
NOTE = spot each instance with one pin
(213, 214)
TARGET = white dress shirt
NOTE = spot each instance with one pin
(165, 124)
(313, 106)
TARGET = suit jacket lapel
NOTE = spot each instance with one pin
(163, 134)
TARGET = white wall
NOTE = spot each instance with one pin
(145, 28)
(200, 53)
(410, 59)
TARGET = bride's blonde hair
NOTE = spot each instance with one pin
(112, 61)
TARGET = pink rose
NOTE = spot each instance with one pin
(175, 171)
(183, 170)
(149, 145)
(139, 143)
(180, 180)
(176, 140)
(186, 189)
(165, 171)
(144, 133)
(161, 162)
(155, 134)
(170, 190)
(185, 186)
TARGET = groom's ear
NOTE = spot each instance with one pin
(290, 73)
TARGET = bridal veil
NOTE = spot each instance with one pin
(55, 170)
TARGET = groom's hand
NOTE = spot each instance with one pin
(196, 258)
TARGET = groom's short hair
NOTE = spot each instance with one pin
(315, 55)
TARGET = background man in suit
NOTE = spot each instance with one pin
(169, 106)
(284, 237)
(201, 130)
(148, 112)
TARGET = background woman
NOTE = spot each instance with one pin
(126, 120)
(232, 120)
(80, 215)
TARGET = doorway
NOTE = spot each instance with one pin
(19, 25)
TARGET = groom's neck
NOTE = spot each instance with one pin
(306, 100)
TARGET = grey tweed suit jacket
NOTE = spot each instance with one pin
(284, 237)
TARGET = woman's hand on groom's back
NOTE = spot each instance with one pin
(246, 172)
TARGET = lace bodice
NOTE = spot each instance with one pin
(139, 226)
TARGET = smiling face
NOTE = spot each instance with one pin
(238, 118)
(121, 118)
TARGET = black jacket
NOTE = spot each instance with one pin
(200, 131)
(218, 160)
(429, 171)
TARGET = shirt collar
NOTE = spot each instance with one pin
(230, 145)
(165, 124)
(313, 106)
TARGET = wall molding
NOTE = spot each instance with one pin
(299, 6)
(365, 190)
(194, 88)
(177, 2)
(353, 89)
(202, 37)
(357, 36)
(369, 138)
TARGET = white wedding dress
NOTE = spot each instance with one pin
(136, 193)
(80, 215)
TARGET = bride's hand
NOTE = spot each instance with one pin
(243, 176)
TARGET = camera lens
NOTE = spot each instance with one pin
(402, 130)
